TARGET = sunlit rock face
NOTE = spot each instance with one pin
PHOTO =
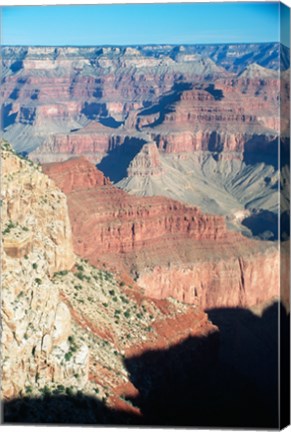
(36, 244)
(67, 326)
(172, 249)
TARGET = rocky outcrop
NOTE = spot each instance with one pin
(124, 223)
(36, 244)
(248, 277)
(117, 321)
(219, 118)
(170, 248)
(93, 141)
(75, 174)
(67, 326)
(146, 162)
(24, 187)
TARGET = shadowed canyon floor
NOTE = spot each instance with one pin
(201, 381)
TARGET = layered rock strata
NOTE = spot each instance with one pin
(67, 326)
(171, 249)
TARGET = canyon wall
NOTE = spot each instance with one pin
(171, 249)
(36, 243)
(67, 326)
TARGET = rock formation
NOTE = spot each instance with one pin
(146, 162)
(50, 93)
(170, 248)
(209, 110)
(67, 326)
(36, 244)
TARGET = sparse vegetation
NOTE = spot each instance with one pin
(10, 225)
(127, 314)
(28, 389)
(69, 391)
(68, 356)
(61, 273)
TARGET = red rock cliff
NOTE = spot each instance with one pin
(171, 248)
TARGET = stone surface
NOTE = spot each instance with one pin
(68, 326)
(36, 323)
(170, 248)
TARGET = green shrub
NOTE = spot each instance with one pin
(68, 355)
(127, 314)
(61, 388)
(62, 273)
(124, 300)
(80, 275)
(69, 391)
(46, 391)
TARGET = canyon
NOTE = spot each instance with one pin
(141, 199)
(171, 249)
(211, 112)
(82, 344)
(68, 326)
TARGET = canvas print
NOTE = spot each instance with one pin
(145, 214)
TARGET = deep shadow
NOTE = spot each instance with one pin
(16, 66)
(114, 165)
(216, 93)
(206, 382)
(92, 110)
(79, 409)
(8, 117)
(215, 143)
(223, 379)
(14, 94)
(164, 105)
(110, 122)
(264, 225)
(259, 149)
